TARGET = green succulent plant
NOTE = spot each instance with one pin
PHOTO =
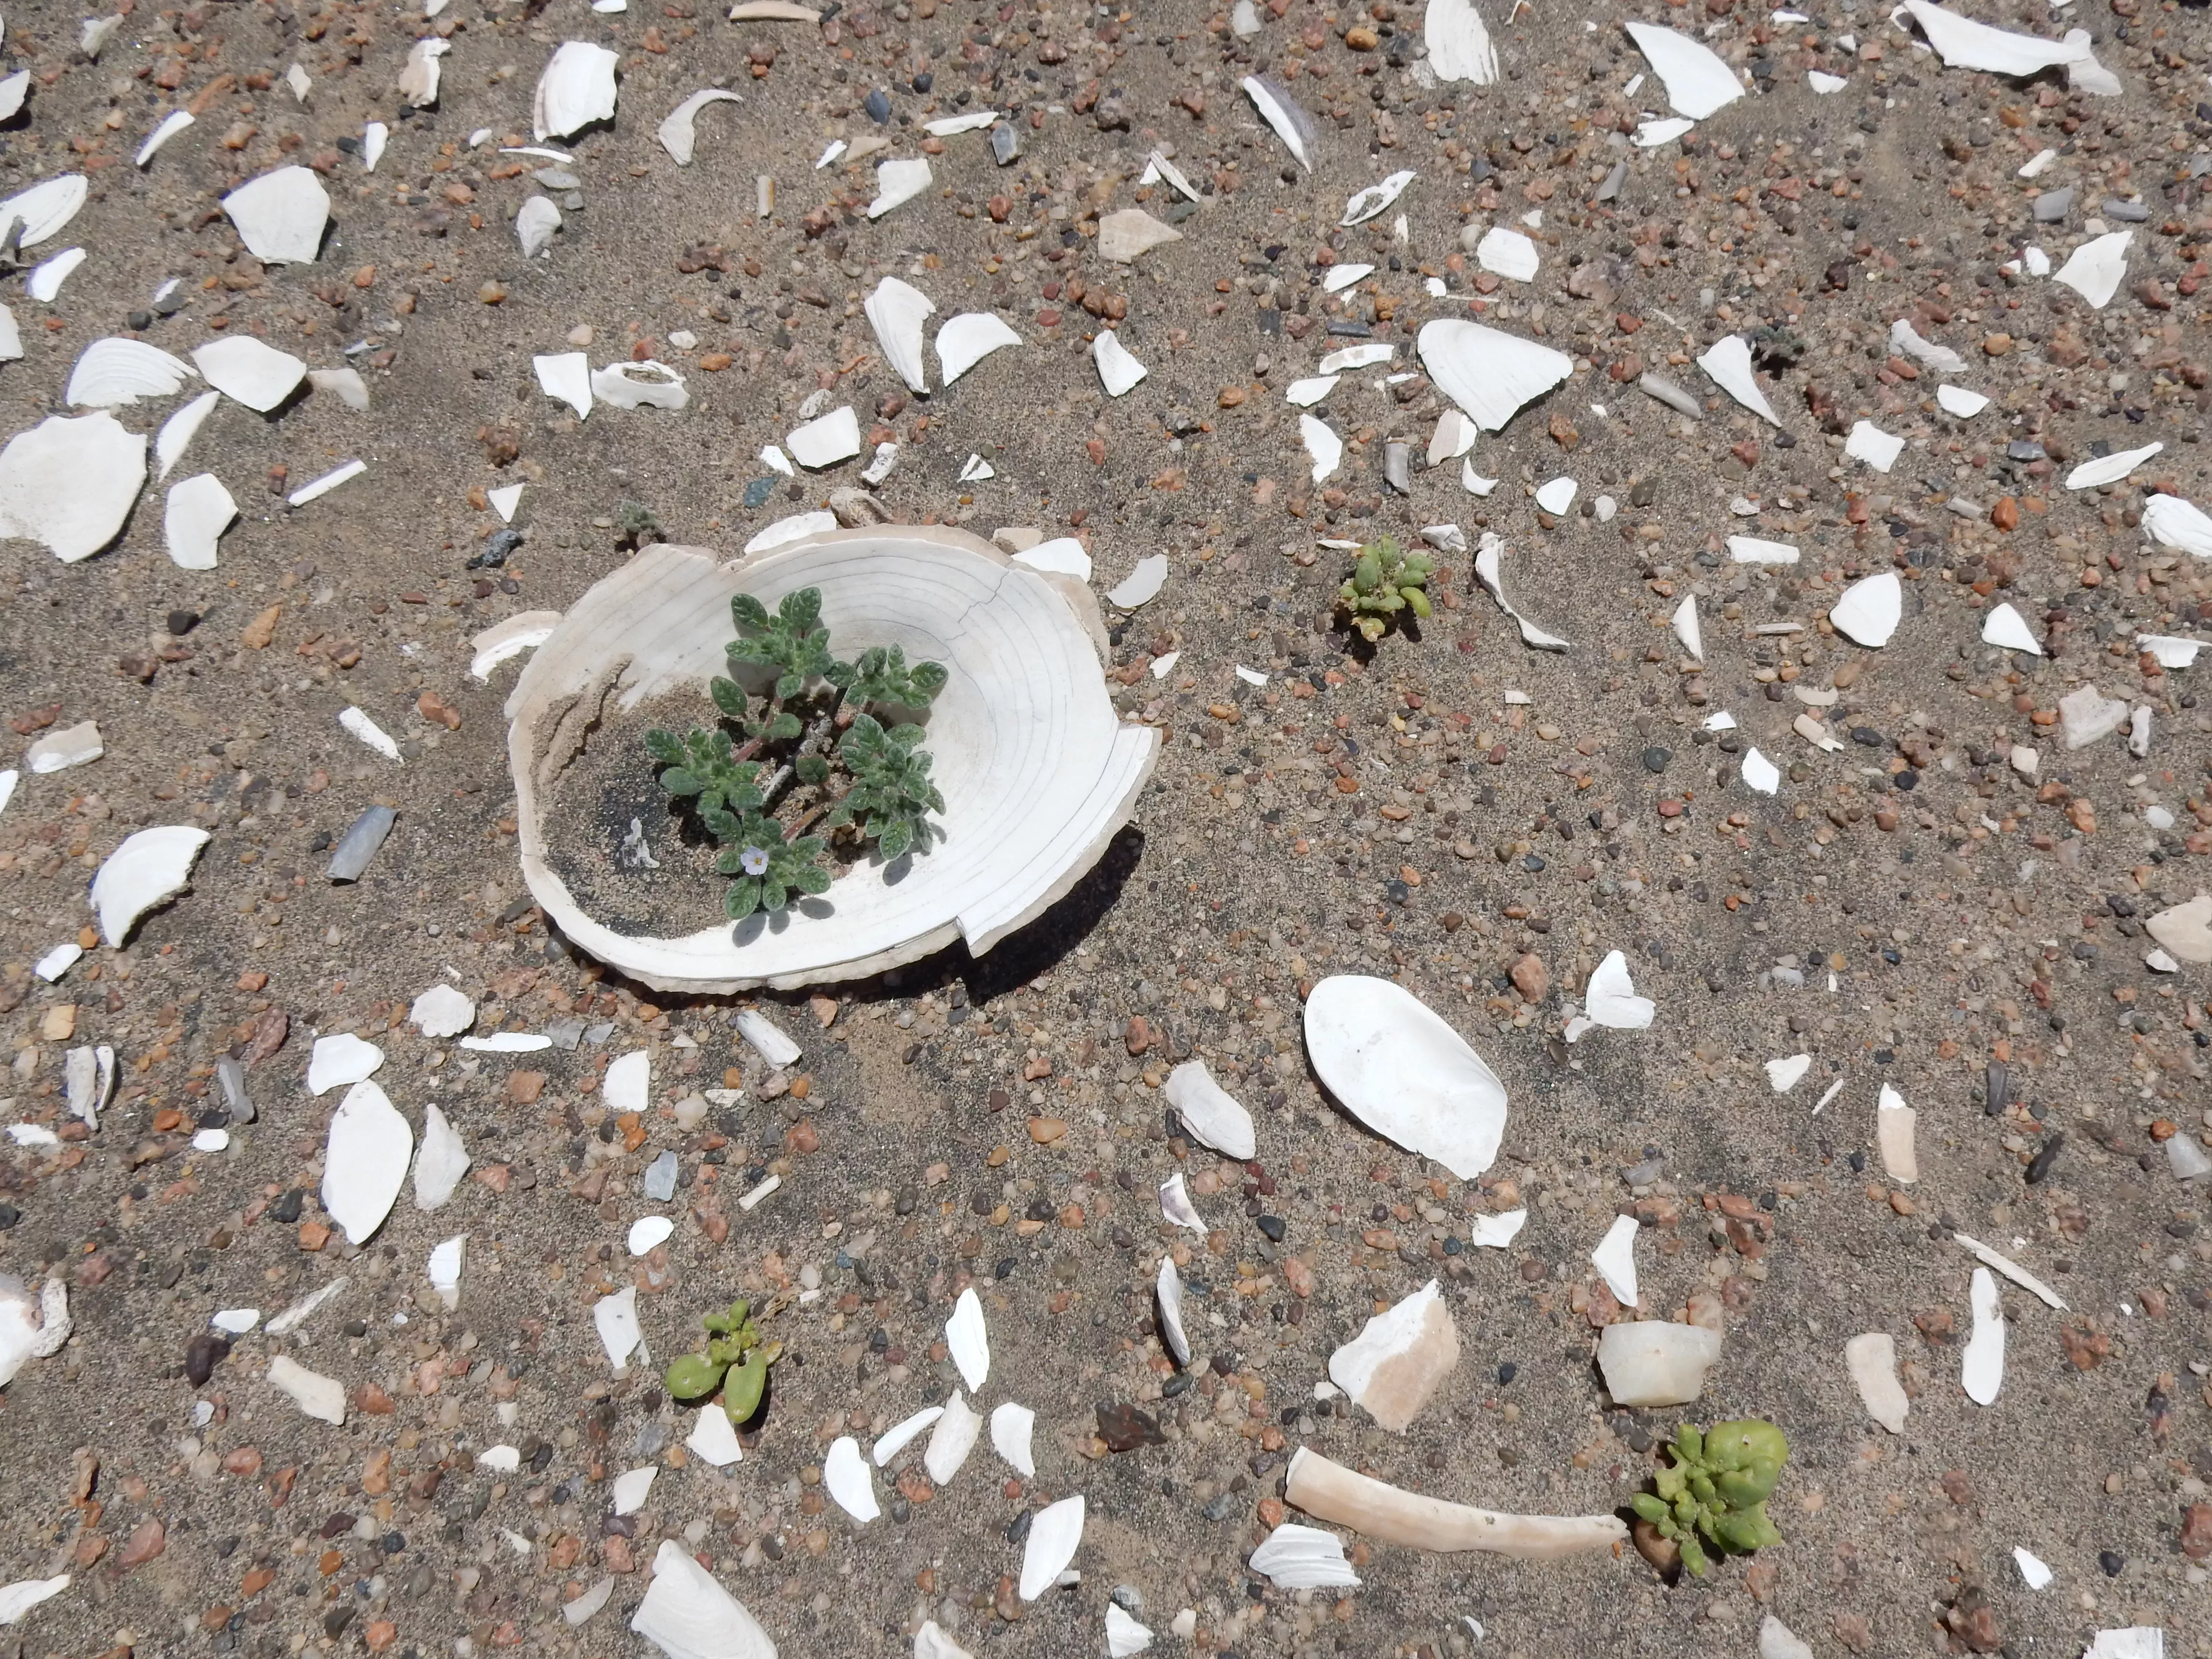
(770, 869)
(703, 763)
(1715, 1492)
(792, 640)
(880, 675)
(891, 792)
(735, 1360)
(636, 525)
(1385, 580)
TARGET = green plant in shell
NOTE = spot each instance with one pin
(1715, 1492)
(736, 1361)
(1385, 580)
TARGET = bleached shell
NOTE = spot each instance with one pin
(1651, 134)
(1727, 363)
(323, 1398)
(440, 1162)
(1405, 1073)
(64, 747)
(1893, 1135)
(932, 1643)
(1556, 495)
(1168, 1290)
(896, 310)
(767, 1039)
(1962, 43)
(340, 1060)
(12, 91)
(117, 371)
(688, 1615)
(968, 1342)
(45, 207)
(2006, 627)
(1209, 1111)
(898, 182)
(1981, 1368)
(1037, 771)
(1870, 443)
(1615, 1259)
(1509, 254)
(1778, 1641)
(799, 527)
(627, 1086)
(198, 512)
(365, 1160)
(2173, 522)
(896, 1439)
(1698, 81)
(1158, 167)
(845, 1475)
(1062, 556)
(2184, 929)
(1376, 199)
(69, 482)
(536, 223)
(1399, 1359)
(1453, 436)
(11, 337)
(1871, 1358)
(1284, 113)
(1960, 401)
(566, 375)
(418, 76)
(1011, 1428)
(1459, 43)
(827, 440)
(1750, 550)
(647, 384)
(1656, 1362)
(444, 1271)
(967, 339)
(1125, 1637)
(1868, 610)
(1055, 1534)
(44, 284)
(677, 132)
(1783, 1075)
(714, 1437)
(1126, 236)
(255, 374)
(2034, 1571)
(1391, 1515)
(576, 89)
(179, 430)
(1486, 371)
(373, 138)
(1495, 1232)
(524, 631)
(351, 389)
(442, 1011)
(649, 1233)
(615, 1318)
(1175, 1205)
(1322, 446)
(2095, 269)
(149, 868)
(1611, 1000)
(958, 1430)
(951, 126)
(1297, 1557)
(1117, 370)
(20, 1597)
(773, 11)
(280, 216)
(1142, 585)
(2102, 470)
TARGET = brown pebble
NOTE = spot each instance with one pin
(147, 1540)
(1531, 978)
(1046, 1130)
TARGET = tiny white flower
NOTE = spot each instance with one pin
(755, 860)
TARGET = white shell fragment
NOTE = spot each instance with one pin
(1142, 585)
(419, 74)
(1778, 1641)
(149, 868)
(1906, 340)
(1727, 363)
(1126, 236)
(69, 482)
(825, 440)
(1404, 1072)
(316, 488)
(1486, 371)
(1611, 1000)
(1125, 1637)
(1872, 1361)
(1759, 773)
(1698, 81)
(1615, 1259)
(1960, 401)
(967, 1343)
(1323, 447)
(897, 182)
(1656, 1362)
(2102, 470)
(280, 216)
(627, 1086)
(899, 1436)
(2169, 650)
(44, 284)
(931, 1642)
(714, 1437)
(2184, 929)
(1750, 550)
(2006, 627)
(116, 371)
(1870, 443)
(567, 376)
(647, 384)
(1453, 436)
(1175, 1205)
(2087, 715)
(688, 1615)
(615, 1318)
(2034, 1572)
(1399, 1359)
(896, 310)
(257, 375)
(1011, 1428)
(440, 1162)
(20, 1597)
(1055, 1534)
(59, 750)
(365, 1160)
(444, 1273)
(1894, 1121)
(536, 221)
(1962, 43)
(1555, 497)
(1302, 1558)
(2095, 269)
(356, 723)
(2011, 1269)
(845, 1475)
(676, 131)
(524, 631)
(1330, 1492)
(1868, 610)
(1166, 1290)
(967, 339)
(1117, 370)
(1508, 254)
(576, 89)
(1495, 1232)
(766, 1038)
(1489, 556)
(1282, 112)
(958, 1428)
(951, 126)
(348, 387)
(2135, 1642)
(1981, 1369)
(1209, 1111)
(179, 430)
(2174, 522)
(45, 207)
(323, 1398)
(1460, 47)
(442, 1011)
(198, 512)
(12, 91)
(11, 337)
(1376, 199)
(798, 527)
(1784, 1075)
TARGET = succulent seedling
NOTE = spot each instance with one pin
(636, 525)
(1385, 580)
(735, 1360)
(891, 790)
(1717, 1491)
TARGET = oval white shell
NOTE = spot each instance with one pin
(1405, 1073)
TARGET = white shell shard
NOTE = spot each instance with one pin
(442, 1011)
(2087, 715)
(1055, 1534)
(1209, 1111)
(69, 482)
(1399, 1359)
(896, 1439)
(58, 750)
(766, 1038)
(977, 469)
(11, 337)
(12, 91)
(1759, 773)
(1158, 166)
(1309, 391)
(712, 1437)
(1330, 1492)
(1175, 1205)
(1784, 1075)
(1962, 43)
(440, 1162)
(1376, 199)
(1117, 370)
(1727, 363)
(419, 74)
(149, 868)
(1167, 1289)
(1282, 112)
(631, 1487)
(116, 371)
(89, 1075)
(236, 1322)
(2006, 627)
(1656, 1362)
(2135, 1642)
(1453, 436)
(1555, 497)
(1688, 628)
(1778, 1641)
(444, 1273)
(315, 489)
(365, 1160)
(1460, 47)
(2011, 1269)
(20, 1597)
(1302, 1558)
(676, 133)
(2173, 522)
(967, 339)
(179, 430)
(898, 182)
(1356, 356)
(524, 631)
(373, 138)
(45, 207)
(2095, 269)
(1142, 585)
(506, 1042)
(1697, 82)
(1870, 443)
(536, 223)
(1495, 1232)
(1489, 556)
(615, 1318)
(1126, 236)
(967, 1341)
(58, 961)
(323, 1398)
(951, 126)
(1906, 340)
(958, 1430)
(932, 1643)
(346, 383)
(1125, 1637)
(585, 1607)
(1868, 610)
(2184, 929)
(647, 384)
(1750, 550)
(1960, 401)
(1894, 1121)
(1063, 555)
(1981, 1368)
(1322, 446)
(1872, 1361)
(503, 500)
(1011, 1428)
(2102, 470)
(1405, 1073)
(44, 284)
(1486, 371)
(1508, 253)
(357, 724)
(688, 1615)
(567, 376)
(1611, 1000)
(280, 216)
(198, 512)
(825, 440)
(242, 368)
(627, 1086)
(1615, 1259)
(798, 527)
(649, 1233)
(2033, 1570)
(1649, 135)
(896, 310)
(296, 1316)
(576, 89)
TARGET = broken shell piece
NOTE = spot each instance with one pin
(1556, 496)
(1062, 556)
(257, 375)
(1055, 1534)
(149, 868)
(1784, 1075)
(44, 284)
(45, 207)
(932, 1643)
(316, 488)
(951, 126)
(634, 385)
(2087, 715)
(1405, 1073)
(845, 1476)
(899, 1436)
(897, 182)
(2174, 522)
(352, 390)
(69, 482)
(2098, 471)
(676, 132)
(1489, 555)
(11, 337)
(1142, 585)
(1870, 443)
(567, 376)
(1011, 1428)
(1651, 134)
(1117, 370)
(615, 1318)
(1655, 1361)
(444, 1273)
(2006, 627)
(20, 1597)
(1727, 363)
(1453, 436)
(2169, 650)
(1175, 1205)
(365, 1160)
(1399, 1359)
(1302, 1558)
(373, 138)
(896, 310)
(1687, 628)
(688, 1615)
(958, 1428)
(967, 1341)
(1460, 47)
(1609, 998)
(766, 1038)
(198, 512)
(280, 216)
(116, 371)
(1759, 773)
(1282, 113)
(1356, 356)
(13, 90)
(418, 76)
(357, 724)
(1960, 401)
(536, 223)
(1615, 1259)
(1962, 43)
(1495, 1232)
(88, 1076)
(1209, 1111)
(1893, 1133)
(966, 340)
(576, 89)
(2011, 1269)
(1872, 1361)
(524, 631)
(825, 440)
(442, 1011)
(177, 431)
(1750, 550)
(2032, 1571)
(2185, 929)
(649, 1233)
(627, 1086)
(631, 1487)
(714, 1437)
(1126, 236)
(798, 527)
(323, 1398)
(1698, 81)
(1508, 253)
(72, 746)
(2096, 269)
(442, 1161)
(1322, 446)
(1906, 340)
(1867, 610)
(1330, 1492)
(1376, 199)
(1981, 1370)
(1488, 372)
(1778, 1641)
(1125, 1637)
(1169, 1291)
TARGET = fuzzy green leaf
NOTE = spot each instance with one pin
(729, 697)
(743, 898)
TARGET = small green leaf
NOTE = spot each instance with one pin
(677, 781)
(897, 839)
(729, 697)
(811, 878)
(692, 1378)
(1649, 1507)
(747, 611)
(812, 769)
(743, 1387)
(785, 727)
(665, 746)
(744, 899)
(1415, 597)
(774, 894)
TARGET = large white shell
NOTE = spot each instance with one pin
(1037, 773)
(1656, 1362)
(257, 375)
(1981, 1368)
(967, 1341)
(1054, 1536)
(1011, 1426)
(1459, 43)
(1486, 371)
(1962, 43)
(45, 207)
(1398, 1359)
(2172, 521)
(149, 868)
(280, 216)
(365, 1160)
(1405, 1073)
(896, 310)
(442, 1011)
(1210, 1111)
(441, 1162)
(632, 385)
(2095, 268)
(1868, 610)
(1168, 1291)
(676, 133)
(340, 1060)
(198, 512)
(1869, 443)
(118, 370)
(1698, 80)
(1282, 112)
(967, 339)
(69, 482)
(1508, 254)
(576, 89)
(688, 1615)
(1297, 1557)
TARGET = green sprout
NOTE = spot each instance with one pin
(768, 868)
(891, 788)
(736, 1361)
(792, 640)
(636, 525)
(1386, 579)
(703, 763)
(1718, 1490)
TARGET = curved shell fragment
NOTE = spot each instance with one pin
(280, 216)
(198, 510)
(967, 339)
(149, 868)
(576, 89)
(365, 1162)
(69, 482)
(896, 311)
(1488, 372)
(677, 132)
(116, 371)
(252, 373)
(1405, 1073)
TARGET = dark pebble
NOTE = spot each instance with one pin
(1020, 1528)
(2047, 1155)
(286, 1209)
(877, 106)
(1272, 1226)
(1507, 1372)
(2111, 1561)
(9, 1215)
(202, 1354)
(1655, 758)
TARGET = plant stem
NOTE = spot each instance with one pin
(811, 742)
